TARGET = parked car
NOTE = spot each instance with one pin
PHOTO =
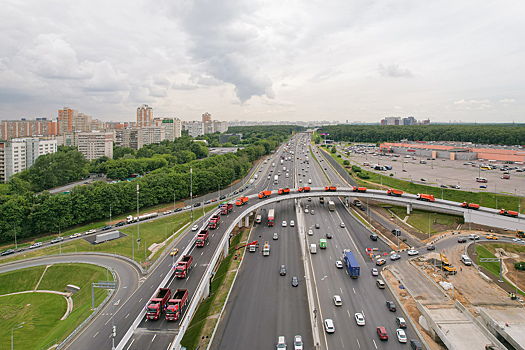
(222, 197)
(7, 252)
(196, 205)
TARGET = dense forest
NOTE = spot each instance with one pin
(166, 173)
(499, 134)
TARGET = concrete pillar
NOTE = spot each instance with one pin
(226, 248)
(206, 290)
(409, 208)
(240, 223)
(247, 221)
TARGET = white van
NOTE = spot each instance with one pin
(313, 248)
(287, 174)
(309, 181)
(466, 260)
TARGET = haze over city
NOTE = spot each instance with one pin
(264, 60)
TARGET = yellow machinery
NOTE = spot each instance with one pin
(447, 267)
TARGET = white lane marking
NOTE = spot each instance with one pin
(202, 253)
(132, 341)
(363, 313)
(161, 275)
(95, 335)
(354, 290)
(330, 258)
(169, 347)
(374, 343)
(341, 289)
(348, 313)
(151, 287)
(155, 336)
(127, 316)
(358, 343)
(140, 300)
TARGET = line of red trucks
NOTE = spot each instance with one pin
(241, 201)
(202, 238)
(163, 300)
(470, 205)
(214, 221)
(225, 208)
(425, 197)
(283, 191)
(183, 268)
(358, 189)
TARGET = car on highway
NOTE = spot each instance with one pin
(187, 207)
(431, 247)
(297, 343)
(473, 236)
(198, 204)
(492, 237)
(174, 252)
(310, 232)
(483, 186)
(359, 319)
(342, 225)
(195, 227)
(391, 306)
(373, 237)
(7, 252)
(167, 212)
(337, 300)
(306, 210)
(75, 235)
(282, 270)
(462, 240)
(423, 179)
(401, 323)
(92, 231)
(329, 325)
(284, 224)
(222, 197)
(339, 264)
(120, 223)
(177, 210)
(295, 282)
(312, 212)
(105, 228)
(415, 344)
(317, 226)
(241, 189)
(292, 223)
(401, 336)
(380, 262)
(56, 240)
(329, 235)
(517, 240)
(208, 201)
(35, 245)
(281, 342)
(309, 199)
(375, 272)
(235, 192)
(395, 257)
(381, 331)
(214, 200)
(412, 252)
(275, 236)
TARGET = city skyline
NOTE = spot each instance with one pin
(264, 61)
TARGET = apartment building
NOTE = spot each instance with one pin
(132, 138)
(153, 134)
(172, 128)
(95, 144)
(11, 129)
(144, 116)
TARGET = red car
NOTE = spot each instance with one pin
(381, 331)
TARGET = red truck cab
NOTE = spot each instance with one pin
(156, 304)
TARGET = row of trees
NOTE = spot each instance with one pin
(501, 134)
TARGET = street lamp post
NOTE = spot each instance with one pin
(173, 201)
(16, 246)
(20, 325)
(138, 230)
(191, 192)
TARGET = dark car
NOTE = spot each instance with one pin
(391, 306)
(222, 197)
(396, 232)
(401, 323)
(177, 210)
(373, 237)
(462, 240)
(431, 247)
(329, 235)
(7, 252)
(317, 226)
(282, 270)
(241, 189)
(295, 282)
(415, 344)
(56, 240)
(197, 204)
(105, 228)
(120, 223)
(235, 192)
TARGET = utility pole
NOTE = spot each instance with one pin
(191, 192)
(138, 230)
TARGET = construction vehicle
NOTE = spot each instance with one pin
(283, 191)
(226, 208)
(271, 217)
(330, 188)
(425, 197)
(176, 304)
(156, 304)
(214, 221)
(470, 205)
(304, 189)
(202, 238)
(264, 194)
(183, 267)
(520, 234)
(266, 249)
(358, 189)
(392, 192)
(241, 201)
(508, 212)
(447, 266)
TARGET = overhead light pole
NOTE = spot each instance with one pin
(429, 224)
(138, 230)
(191, 192)
(20, 325)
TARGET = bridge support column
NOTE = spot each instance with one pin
(247, 221)
(206, 290)
(409, 208)
(240, 223)
(226, 248)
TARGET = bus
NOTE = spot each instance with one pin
(271, 217)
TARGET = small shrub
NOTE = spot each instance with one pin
(520, 266)
(346, 162)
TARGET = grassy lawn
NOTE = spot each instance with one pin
(155, 231)
(485, 199)
(20, 280)
(420, 218)
(42, 312)
(483, 252)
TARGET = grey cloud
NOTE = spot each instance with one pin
(394, 71)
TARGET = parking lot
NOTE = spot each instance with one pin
(445, 172)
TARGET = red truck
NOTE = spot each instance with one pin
(226, 208)
(214, 221)
(330, 188)
(358, 189)
(283, 191)
(183, 267)
(264, 194)
(304, 189)
(176, 305)
(508, 212)
(425, 197)
(156, 304)
(202, 238)
(470, 205)
(241, 201)
(392, 192)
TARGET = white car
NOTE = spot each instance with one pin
(91, 231)
(412, 252)
(329, 325)
(337, 300)
(281, 343)
(359, 319)
(375, 272)
(292, 223)
(195, 227)
(306, 210)
(339, 264)
(167, 212)
(75, 235)
(401, 336)
(297, 343)
(310, 232)
(36, 245)
(284, 224)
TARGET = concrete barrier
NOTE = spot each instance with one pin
(435, 327)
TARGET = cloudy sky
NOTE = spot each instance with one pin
(355, 60)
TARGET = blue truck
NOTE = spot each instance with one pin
(351, 263)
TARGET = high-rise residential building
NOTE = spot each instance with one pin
(95, 144)
(409, 121)
(132, 138)
(10, 129)
(19, 154)
(68, 139)
(153, 134)
(206, 117)
(195, 128)
(220, 126)
(82, 123)
(172, 128)
(144, 116)
(65, 119)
